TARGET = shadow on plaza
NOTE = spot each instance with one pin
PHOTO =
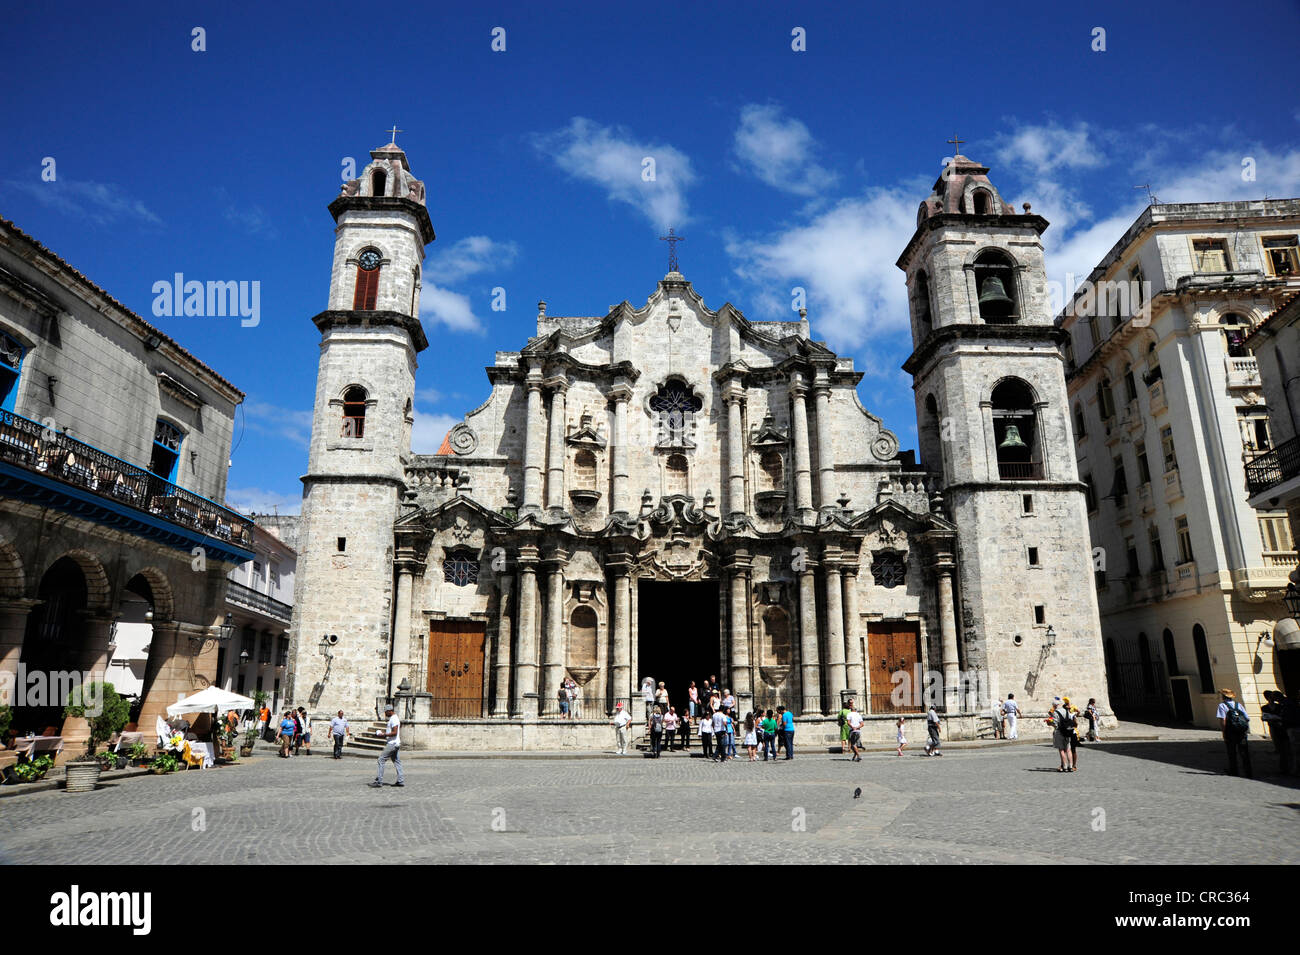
(1199, 757)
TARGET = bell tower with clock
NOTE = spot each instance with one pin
(361, 430)
(992, 422)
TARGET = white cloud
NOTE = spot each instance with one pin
(469, 256)
(97, 202)
(256, 500)
(1218, 177)
(1051, 146)
(844, 257)
(429, 430)
(448, 308)
(265, 418)
(427, 396)
(779, 151)
(613, 159)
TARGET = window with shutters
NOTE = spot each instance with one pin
(166, 450)
(1275, 533)
(1185, 555)
(1157, 549)
(1210, 255)
(1167, 448)
(1282, 252)
(11, 360)
(367, 292)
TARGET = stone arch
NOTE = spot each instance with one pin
(13, 579)
(99, 592)
(160, 593)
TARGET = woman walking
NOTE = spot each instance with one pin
(670, 728)
(902, 736)
(694, 694)
(1094, 717)
(751, 737)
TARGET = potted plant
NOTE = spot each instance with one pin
(163, 763)
(105, 713)
(138, 754)
(30, 770)
(246, 744)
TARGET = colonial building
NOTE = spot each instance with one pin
(114, 448)
(675, 491)
(1273, 477)
(1167, 408)
(259, 606)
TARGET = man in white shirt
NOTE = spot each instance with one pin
(339, 729)
(1012, 712)
(855, 733)
(393, 749)
(621, 720)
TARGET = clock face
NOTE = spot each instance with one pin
(369, 260)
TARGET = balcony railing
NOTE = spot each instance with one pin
(1242, 372)
(248, 597)
(1273, 467)
(52, 454)
(1020, 470)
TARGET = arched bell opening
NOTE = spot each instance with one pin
(1015, 432)
(995, 283)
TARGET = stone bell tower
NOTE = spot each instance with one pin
(992, 419)
(361, 433)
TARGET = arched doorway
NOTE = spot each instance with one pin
(53, 644)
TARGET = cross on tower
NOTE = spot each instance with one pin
(395, 131)
(672, 238)
(956, 143)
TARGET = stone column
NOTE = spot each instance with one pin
(401, 665)
(619, 394)
(505, 633)
(834, 630)
(525, 703)
(825, 445)
(622, 674)
(13, 627)
(555, 451)
(809, 653)
(802, 454)
(948, 632)
(533, 439)
(740, 674)
(553, 636)
(733, 393)
(855, 674)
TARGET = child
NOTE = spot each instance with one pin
(902, 739)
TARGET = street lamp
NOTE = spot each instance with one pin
(1292, 600)
(244, 657)
(1051, 636)
(226, 630)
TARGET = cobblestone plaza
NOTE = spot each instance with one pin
(1138, 802)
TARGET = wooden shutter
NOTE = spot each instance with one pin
(367, 289)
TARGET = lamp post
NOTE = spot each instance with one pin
(1292, 600)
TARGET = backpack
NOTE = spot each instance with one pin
(1237, 720)
(1066, 723)
(656, 722)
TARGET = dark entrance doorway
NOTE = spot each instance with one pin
(678, 636)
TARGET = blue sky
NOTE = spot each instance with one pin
(781, 168)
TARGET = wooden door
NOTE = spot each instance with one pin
(892, 646)
(456, 668)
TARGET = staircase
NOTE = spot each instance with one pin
(370, 739)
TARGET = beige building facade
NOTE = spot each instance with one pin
(1167, 408)
(673, 491)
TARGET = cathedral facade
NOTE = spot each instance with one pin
(674, 491)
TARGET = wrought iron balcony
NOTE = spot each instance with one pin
(248, 597)
(48, 467)
(1273, 467)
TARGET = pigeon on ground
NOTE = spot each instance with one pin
(857, 793)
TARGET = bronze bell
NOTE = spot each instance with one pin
(993, 293)
(1012, 438)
